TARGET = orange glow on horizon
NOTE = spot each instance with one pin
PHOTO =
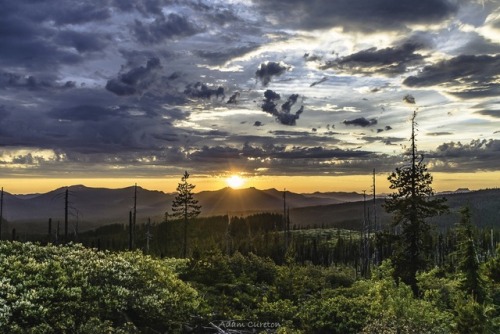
(299, 184)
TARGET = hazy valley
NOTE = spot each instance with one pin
(94, 207)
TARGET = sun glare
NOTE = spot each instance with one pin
(235, 181)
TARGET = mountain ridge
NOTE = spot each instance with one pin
(94, 207)
(106, 204)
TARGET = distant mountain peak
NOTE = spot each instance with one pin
(77, 186)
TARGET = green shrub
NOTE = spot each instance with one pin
(395, 309)
(68, 289)
(337, 314)
(471, 317)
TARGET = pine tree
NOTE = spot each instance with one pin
(468, 263)
(410, 205)
(184, 206)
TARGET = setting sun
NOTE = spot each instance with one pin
(235, 181)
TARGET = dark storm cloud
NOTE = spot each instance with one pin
(490, 112)
(388, 61)
(173, 76)
(422, 40)
(31, 82)
(409, 99)
(87, 130)
(146, 8)
(479, 154)
(361, 15)
(223, 16)
(271, 95)
(221, 13)
(27, 159)
(220, 56)
(269, 104)
(233, 99)
(384, 140)
(40, 35)
(318, 82)
(82, 41)
(202, 91)
(468, 150)
(216, 133)
(285, 107)
(77, 12)
(284, 138)
(134, 57)
(284, 133)
(270, 69)
(363, 122)
(135, 80)
(320, 153)
(306, 138)
(68, 12)
(163, 28)
(33, 51)
(464, 76)
(84, 113)
(312, 57)
(442, 133)
(297, 152)
(87, 120)
(284, 115)
(477, 44)
(119, 88)
(216, 153)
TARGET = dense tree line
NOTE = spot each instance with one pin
(256, 234)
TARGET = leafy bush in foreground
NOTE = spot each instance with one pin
(72, 289)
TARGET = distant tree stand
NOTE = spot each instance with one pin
(411, 204)
(184, 206)
(472, 282)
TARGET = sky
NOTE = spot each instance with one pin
(304, 95)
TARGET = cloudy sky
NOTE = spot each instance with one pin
(288, 90)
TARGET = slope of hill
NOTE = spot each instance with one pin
(343, 215)
(484, 205)
(251, 200)
(86, 203)
(341, 197)
(98, 206)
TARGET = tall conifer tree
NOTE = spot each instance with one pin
(185, 206)
(412, 202)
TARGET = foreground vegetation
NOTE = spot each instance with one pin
(73, 289)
